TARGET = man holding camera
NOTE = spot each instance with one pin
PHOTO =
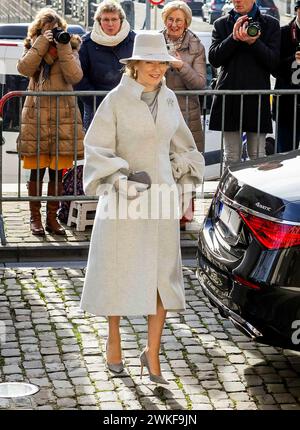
(245, 46)
(288, 77)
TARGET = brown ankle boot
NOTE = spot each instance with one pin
(35, 206)
(52, 225)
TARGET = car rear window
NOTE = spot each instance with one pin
(13, 31)
(266, 3)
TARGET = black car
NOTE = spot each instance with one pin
(249, 249)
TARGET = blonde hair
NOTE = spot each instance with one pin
(109, 6)
(44, 16)
(129, 69)
(177, 5)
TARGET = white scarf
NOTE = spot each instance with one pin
(98, 35)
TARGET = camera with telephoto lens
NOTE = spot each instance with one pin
(61, 36)
(253, 27)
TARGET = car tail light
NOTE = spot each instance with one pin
(8, 44)
(273, 235)
(245, 282)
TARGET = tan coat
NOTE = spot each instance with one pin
(64, 73)
(192, 76)
(130, 260)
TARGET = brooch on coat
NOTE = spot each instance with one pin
(170, 102)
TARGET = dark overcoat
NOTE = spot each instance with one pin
(244, 67)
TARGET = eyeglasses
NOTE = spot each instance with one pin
(177, 21)
(107, 20)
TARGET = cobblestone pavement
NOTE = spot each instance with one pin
(48, 341)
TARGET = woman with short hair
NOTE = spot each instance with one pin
(101, 50)
(190, 72)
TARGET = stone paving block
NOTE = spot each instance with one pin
(66, 403)
(60, 376)
(222, 404)
(126, 395)
(246, 406)
(5, 404)
(284, 398)
(290, 407)
(54, 367)
(199, 398)
(202, 407)
(231, 387)
(88, 400)
(269, 407)
(64, 392)
(35, 373)
(10, 353)
(81, 381)
(8, 370)
(239, 397)
(41, 382)
(61, 384)
(107, 396)
(111, 406)
(216, 395)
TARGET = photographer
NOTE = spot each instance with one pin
(247, 53)
(288, 77)
(51, 61)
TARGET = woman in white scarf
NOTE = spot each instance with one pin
(109, 40)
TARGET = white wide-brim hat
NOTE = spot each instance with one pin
(150, 47)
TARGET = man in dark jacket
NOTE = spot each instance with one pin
(288, 77)
(246, 63)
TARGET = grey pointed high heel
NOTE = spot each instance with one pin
(158, 379)
(114, 367)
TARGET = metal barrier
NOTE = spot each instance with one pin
(57, 96)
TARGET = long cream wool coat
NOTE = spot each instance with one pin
(130, 260)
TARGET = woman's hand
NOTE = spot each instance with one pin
(48, 35)
(177, 65)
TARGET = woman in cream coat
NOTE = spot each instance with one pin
(134, 265)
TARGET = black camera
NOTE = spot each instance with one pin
(253, 27)
(61, 36)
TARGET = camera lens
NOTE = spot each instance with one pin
(252, 30)
(61, 36)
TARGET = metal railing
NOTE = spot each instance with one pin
(58, 96)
